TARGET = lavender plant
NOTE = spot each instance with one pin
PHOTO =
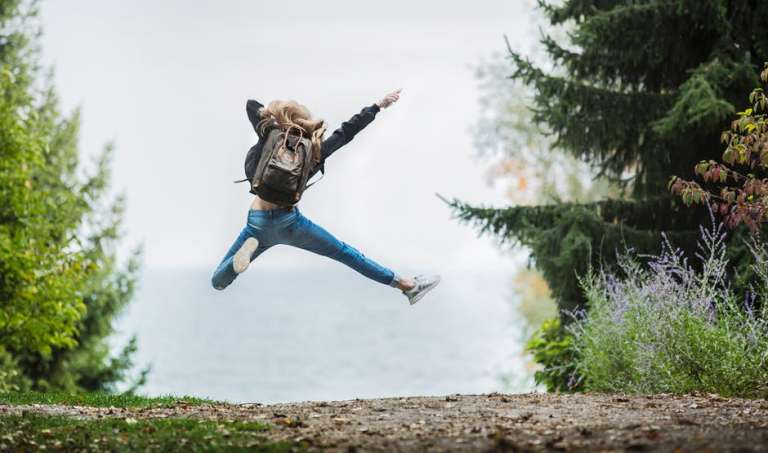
(664, 325)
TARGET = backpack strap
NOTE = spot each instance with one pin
(288, 132)
(321, 169)
(322, 175)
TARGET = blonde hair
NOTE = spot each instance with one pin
(284, 114)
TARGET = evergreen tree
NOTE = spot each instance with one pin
(60, 283)
(641, 92)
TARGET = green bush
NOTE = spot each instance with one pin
(552, 348)
(671, 326)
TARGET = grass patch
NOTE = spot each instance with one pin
(31, 432)
(97, 399)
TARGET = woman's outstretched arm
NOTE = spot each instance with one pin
(351, 127)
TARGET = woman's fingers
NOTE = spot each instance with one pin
(390, 98)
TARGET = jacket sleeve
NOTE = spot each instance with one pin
(348, 130)
(252, 108)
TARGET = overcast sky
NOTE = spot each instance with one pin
(167, 81)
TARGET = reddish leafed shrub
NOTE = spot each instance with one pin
(737, 187)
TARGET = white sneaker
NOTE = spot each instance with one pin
(424, 283)
(243, 256)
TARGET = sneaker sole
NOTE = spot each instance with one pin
(421, 295)
(243, 256)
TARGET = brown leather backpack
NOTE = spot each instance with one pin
(283, 170)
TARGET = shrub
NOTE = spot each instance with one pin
(552, 347)
(669, 326)
(737, 187)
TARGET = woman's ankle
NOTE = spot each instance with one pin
(404, 284)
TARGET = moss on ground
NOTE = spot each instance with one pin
(34, 432)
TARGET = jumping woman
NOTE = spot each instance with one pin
(289, 152)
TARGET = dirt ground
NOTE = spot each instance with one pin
(494, 422)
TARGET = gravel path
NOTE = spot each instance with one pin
(494, 422)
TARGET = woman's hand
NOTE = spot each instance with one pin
(389, 99)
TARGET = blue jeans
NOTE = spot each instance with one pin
(288, 226)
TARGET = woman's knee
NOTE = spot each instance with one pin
(218, 282)
(216, 285)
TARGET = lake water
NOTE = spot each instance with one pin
(277, 336)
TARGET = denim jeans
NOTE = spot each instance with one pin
(288, 226)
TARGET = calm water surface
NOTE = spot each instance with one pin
(277, 336)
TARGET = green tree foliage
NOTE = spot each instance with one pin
(639, 91)
(534, 171)
(60, 283)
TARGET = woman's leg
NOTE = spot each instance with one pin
(305, 234)
(225, 273)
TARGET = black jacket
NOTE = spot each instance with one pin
(337, 139)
